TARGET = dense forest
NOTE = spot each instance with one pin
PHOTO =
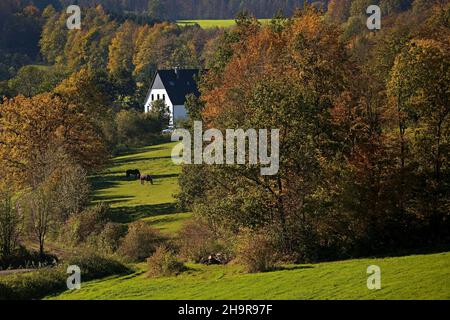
(198, 9)
(364, 136)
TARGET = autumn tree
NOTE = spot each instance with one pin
(276, 78)
(40, 217)
(54, 35)
(338, 10)
(89, 46)
(31, 125)
(33, 80)
(58, 191)
(147, 58)
(90, 90)
(121, 49)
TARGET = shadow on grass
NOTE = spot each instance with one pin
(165, 176)
(138, 159)
(110, 180)
(107, 181)
(131, 151)
(130, 214)
(110, 200)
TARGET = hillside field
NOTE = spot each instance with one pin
(206, 24)
(413, 277)
(410, 277)
(131, 201)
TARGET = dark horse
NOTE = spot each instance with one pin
(136, 173)
(146, 178)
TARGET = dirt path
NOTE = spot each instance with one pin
(8, 272)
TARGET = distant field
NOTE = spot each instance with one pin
(206, 24)
(412, 277)
(131, 201)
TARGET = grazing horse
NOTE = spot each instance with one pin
(146, 178)
(136, 173)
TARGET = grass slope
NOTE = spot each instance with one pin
(132, 201)
(412, 277)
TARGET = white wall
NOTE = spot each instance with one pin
(155, 92)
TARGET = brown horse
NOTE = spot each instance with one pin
(146, 178)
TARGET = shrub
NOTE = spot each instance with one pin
(93, 220)
(34, 285)
(90, 222)
(164, 263)
(22, 258)
(111, 236)
(134, 129)
(96, 267)
(140, 242)
(44, 282)
(197, 241)
(257, 251)
(6, 292)
(10, 223)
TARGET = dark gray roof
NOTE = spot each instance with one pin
(178, 84)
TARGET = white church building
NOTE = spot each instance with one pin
(172, 87)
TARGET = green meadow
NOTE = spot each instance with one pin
(413, 277)
(131, 201)
(410, 277)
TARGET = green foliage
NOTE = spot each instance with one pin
(32, 80)
(54, 36)
(34, 285)
(140, 242)
(345, 145)
(193, 184)
(197, 241)
(94, 266)
(419, 87)
(86, 225)
(110, 238)
(136, 129)
(10, 224)
(160, 111)
(38, 284)
(21, 258)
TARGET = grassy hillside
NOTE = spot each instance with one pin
(132, 201)
(206, 24)
(413, 277)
